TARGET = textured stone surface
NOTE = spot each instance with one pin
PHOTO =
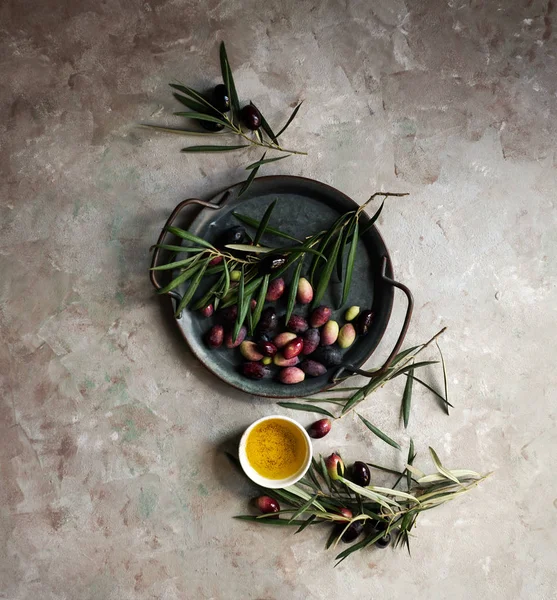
(113, 484)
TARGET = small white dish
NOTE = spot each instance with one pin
(264, 481)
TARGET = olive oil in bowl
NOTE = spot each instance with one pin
(275, 451)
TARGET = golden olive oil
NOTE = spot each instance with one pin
(276, 449)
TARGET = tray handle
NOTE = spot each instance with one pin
(402, 335)
(155, 260)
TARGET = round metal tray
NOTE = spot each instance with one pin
(304, 207)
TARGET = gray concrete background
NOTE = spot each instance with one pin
(112, 481)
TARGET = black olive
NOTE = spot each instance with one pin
(353, 531)
(234, 235)
(384, 541)
(364, 322)
(251, 117)
(211, 125)
(268, 322)
(328, 356)
(221, 99)
(360, 474)
(268, 264)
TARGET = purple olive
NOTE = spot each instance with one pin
(267, 348)
(268, 321)
(275, 290)
(230, 343)
(320, 428)
(297, 324)
(266, 505)
(313, 368)
(364, 322)
(228, 314)
(254, 370)
(330, 356)
(215, 336)
(293, 348)
(320, 316)
(360, 474)
(311, 339)
(207, 311)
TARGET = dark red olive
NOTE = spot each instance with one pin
(311, 341)
(251, 117)
(207, 311)
(364, 322)
(254, 370)
(320, 316)
(270, 263)
(268, 322)
(293, 348)
(215, 336)
(228, 314)
(297, 324)
(216, 261)
(360, 473)
(384, 541)
(231, 343)
(353, 532)
(267, 505)
(267, 348)
(221, 99)
(346, 512)
(320, 428)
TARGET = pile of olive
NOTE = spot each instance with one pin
(306, 345)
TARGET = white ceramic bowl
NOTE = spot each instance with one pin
(273, 483)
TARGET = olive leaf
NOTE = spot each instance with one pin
(276, 522)
(445, 383)
(266, 128)
(326, 274)
(177, 248)
(371, 222)
(291, 118)
(441, 468)
(202, 117)
(250, 179)
(190, 103)
(379, 433)
(293, 290)
(306, 408)
(307, 522)
(193, 94)
(264, 221)
(228, 80)
(407, 397)
(214, 148)
(410, 460)
(350, 265)
(185, 276)
(265, 161)
(186, 235)
(185, 131)
(173, 265)
(260, 303)
(251, 222)
(192, 288)
(304, 507)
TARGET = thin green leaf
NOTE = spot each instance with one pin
(243, 305)
(441, 468)
(294, 489)
(350, 265)
(229, 80)
(196, 116)
(304, 507)
(335, 533)
(306, 408)
(307, 522)
(326, 274)
(276, 522)
(293, 290)
(324, 243)
(264, 162)
(264, 222)
(410, 460)
(193, 94)
(250, 289)
(186, 235)
(325, 473)
(178, 131)
(415, 471)
(374, 496)
(226, 286)
(191, 289)
(434, 391)
(371, 538)
(248, 181)
(272, 230)
(312, 474)
(445, 383)
(184, 249)
(371, 222)
(190, 103)
(385, 469)
(379, 433)
(185, 276)
(304, 248)
(248, 248)
(173, 265)
(407, 398)
(291, 118)
(458, 473)
(260, 303)
(214, 148)
(206, 299)
(402, 355)
(354, 399)
(391, 492)
(418, 365)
